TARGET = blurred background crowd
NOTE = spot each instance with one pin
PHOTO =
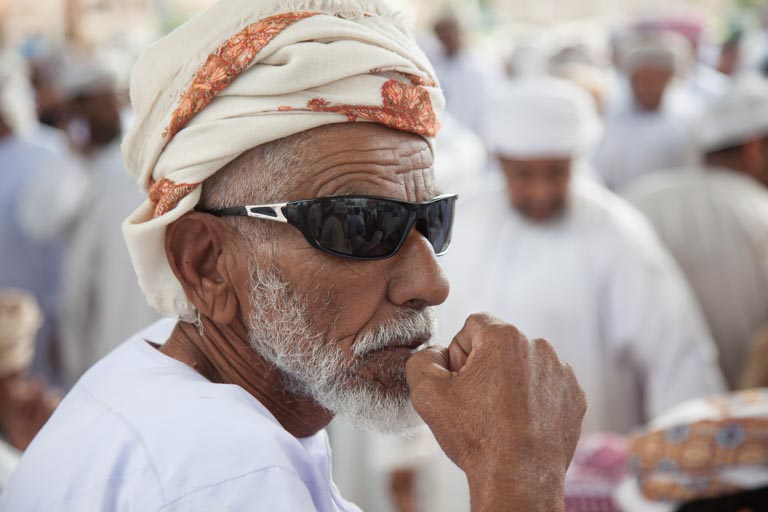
(612, 162)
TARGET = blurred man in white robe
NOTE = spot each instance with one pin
(464, 79)
(101, 301)
(568, 260)
(25, 262)
(573, 263)
(650, 131)
(714, 219)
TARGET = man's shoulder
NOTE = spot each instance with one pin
(717, 191)
(170, 408)
(617, 225)
(597, 204)
(138, 418)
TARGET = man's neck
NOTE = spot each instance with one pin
(222, 354)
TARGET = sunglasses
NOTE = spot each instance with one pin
(359, 227)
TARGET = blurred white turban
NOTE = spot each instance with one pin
(542, 118)
(736, 117)
(82, 77)
(20, 319)
(656, 49)
(244, 73)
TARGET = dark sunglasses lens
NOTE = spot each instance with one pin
(358, 227)
(436, 223)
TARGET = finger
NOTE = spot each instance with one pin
(457, 356)
(469, 334)
(495, 341)
(430, 363)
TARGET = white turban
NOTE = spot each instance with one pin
(20, 319)
(85, 77)
(244, 73)
(666, 50)
(542, 118)
(736, 117)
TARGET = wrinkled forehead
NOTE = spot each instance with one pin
(363, 158)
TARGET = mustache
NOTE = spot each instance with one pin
(401, 331)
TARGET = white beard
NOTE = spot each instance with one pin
(281, 332)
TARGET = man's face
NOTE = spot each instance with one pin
(102, 113)
(648, 86)
(342, 330)
(448, 32)
(537, 188)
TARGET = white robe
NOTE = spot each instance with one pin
(143, 432)
(637, 143)
(27, 262)
(715, 223)
(102, 302)
(599, 285)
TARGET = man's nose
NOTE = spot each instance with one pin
(416, 275)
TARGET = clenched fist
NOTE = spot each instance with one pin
(505, 409)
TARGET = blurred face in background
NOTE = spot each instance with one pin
(728, 61)
(448, 31)
(101, 113)
(538, 188)
(648, 86)
(51, 106)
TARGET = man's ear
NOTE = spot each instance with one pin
(209, 260)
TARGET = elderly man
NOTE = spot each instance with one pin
(649, 130)
(244, 139)
(714, 219)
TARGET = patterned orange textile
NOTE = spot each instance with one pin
(693, 459)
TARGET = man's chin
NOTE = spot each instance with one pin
(402, 423)
(389, 412)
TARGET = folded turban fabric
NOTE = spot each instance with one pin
(20, 319)
(244, 73)
(542, 118)
(704, 448)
